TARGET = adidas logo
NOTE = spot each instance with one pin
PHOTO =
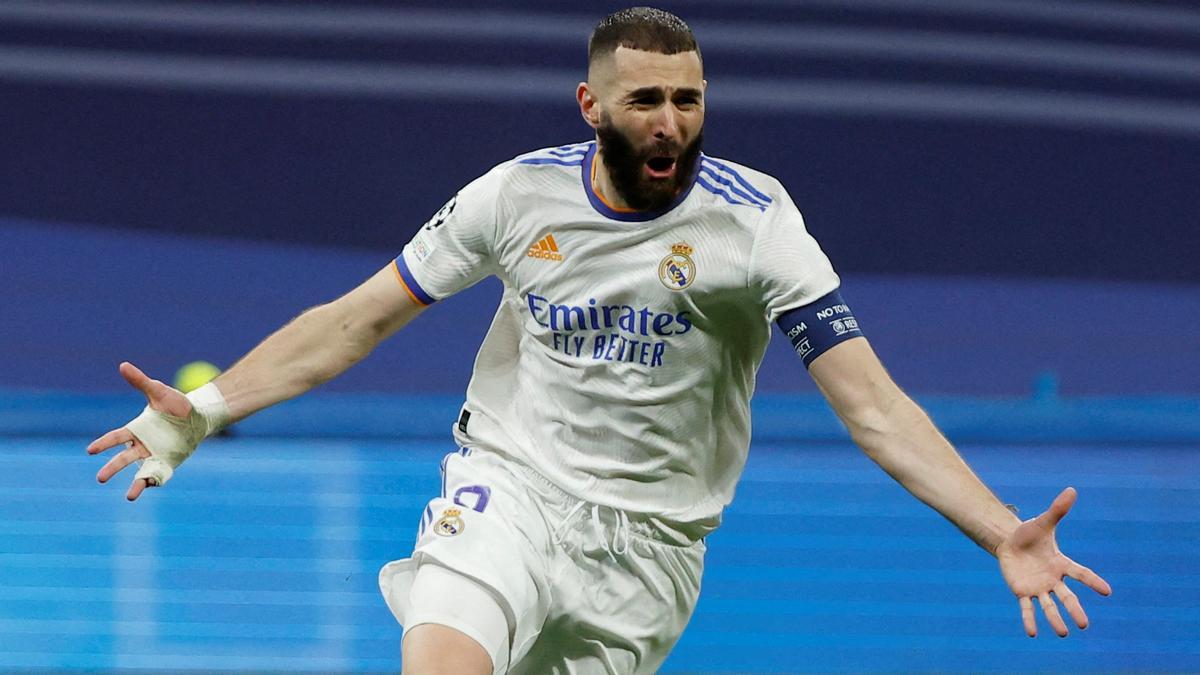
(545, 249)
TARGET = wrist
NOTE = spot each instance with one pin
(1006, 524)
(210, 405)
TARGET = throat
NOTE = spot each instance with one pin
(603, 188)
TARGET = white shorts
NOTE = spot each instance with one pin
(585, 588)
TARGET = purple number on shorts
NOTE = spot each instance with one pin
(481, 492)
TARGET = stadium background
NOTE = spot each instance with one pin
(1008, 188)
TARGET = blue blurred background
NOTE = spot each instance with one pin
(1008, 187)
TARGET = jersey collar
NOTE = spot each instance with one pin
(626, 215)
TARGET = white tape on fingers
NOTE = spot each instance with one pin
(171, 439)
(156, 471)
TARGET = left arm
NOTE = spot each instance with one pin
(902, 440)
(900, 437)
(798, 289)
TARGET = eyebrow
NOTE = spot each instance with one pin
(657, 91)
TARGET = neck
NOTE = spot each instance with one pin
(603, 186)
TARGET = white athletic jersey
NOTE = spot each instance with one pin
(622, 357)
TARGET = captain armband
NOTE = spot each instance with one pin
(817, 327)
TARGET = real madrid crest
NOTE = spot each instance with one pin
(676, 271)
(450, 524)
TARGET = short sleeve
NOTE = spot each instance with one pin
(456, 248)
(787, 266)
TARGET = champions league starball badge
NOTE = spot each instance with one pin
(676, 271)
(450, 524)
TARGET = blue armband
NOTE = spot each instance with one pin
(816, 327)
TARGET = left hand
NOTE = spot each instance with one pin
(1034, 568)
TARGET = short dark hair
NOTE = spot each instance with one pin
(644, 28)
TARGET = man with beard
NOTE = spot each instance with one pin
(607, 420)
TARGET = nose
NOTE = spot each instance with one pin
(666, 126)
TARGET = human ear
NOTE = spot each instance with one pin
(589, 106)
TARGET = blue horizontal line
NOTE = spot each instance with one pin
(246, 457)
(985, 575)
(546, 86)
(550, 28)
(201, 496)
(579, 152)
(66, 529)
(179, 657)
(194, 631)
(789, 608)
(548, 160)
(748, 639)
(94, 561)
(782, 423)
(159, 595)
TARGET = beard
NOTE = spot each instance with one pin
(625, 163)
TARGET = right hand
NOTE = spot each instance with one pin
(159, 397)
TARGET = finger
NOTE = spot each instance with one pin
(1059, 508)
(1071, 602)
(1027, 616)
(160, 397)
(1088, 578)
(138, 487)
(120, 461)
(151, 388)
(1052, 616)
(110, 440)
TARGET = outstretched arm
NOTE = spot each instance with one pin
(320, 344)
(900, 437)
(313, 348)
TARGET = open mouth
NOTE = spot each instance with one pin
(660, 167)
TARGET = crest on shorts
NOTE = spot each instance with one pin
(676, 271)
(450, 524)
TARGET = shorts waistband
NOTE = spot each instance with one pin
(641, 526)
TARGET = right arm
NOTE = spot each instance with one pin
(317, 346)
(453, 250)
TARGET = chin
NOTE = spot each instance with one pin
(658, 194)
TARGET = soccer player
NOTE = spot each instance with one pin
(607, 420)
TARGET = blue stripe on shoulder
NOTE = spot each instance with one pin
(738, 177)
(563, 155)
(721, 192)
(573, 161)
(704, 168)
(569, 152)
